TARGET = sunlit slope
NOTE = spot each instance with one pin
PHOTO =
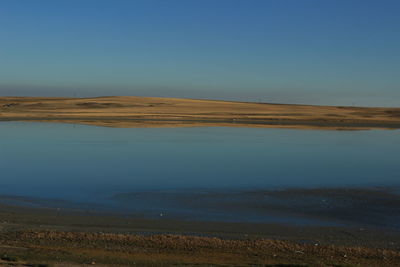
(130, 111)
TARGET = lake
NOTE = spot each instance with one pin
(289, 176)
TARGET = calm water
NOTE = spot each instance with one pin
(152, 170)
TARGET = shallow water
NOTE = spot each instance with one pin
(97, 165)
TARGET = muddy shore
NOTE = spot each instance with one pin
(75, 238)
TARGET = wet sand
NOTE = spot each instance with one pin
(173, 112)
(74, 237)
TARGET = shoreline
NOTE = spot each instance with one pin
(353, 207)
(48, 236)
(130, 112)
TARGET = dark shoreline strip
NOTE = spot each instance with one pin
(213, 122)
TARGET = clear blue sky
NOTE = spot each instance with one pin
(293, 51)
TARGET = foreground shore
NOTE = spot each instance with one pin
(49, 237)
(173, 112)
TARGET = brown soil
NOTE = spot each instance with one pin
(169, 250)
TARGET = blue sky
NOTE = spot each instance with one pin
(292, 51)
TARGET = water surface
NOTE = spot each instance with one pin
(138, 169)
